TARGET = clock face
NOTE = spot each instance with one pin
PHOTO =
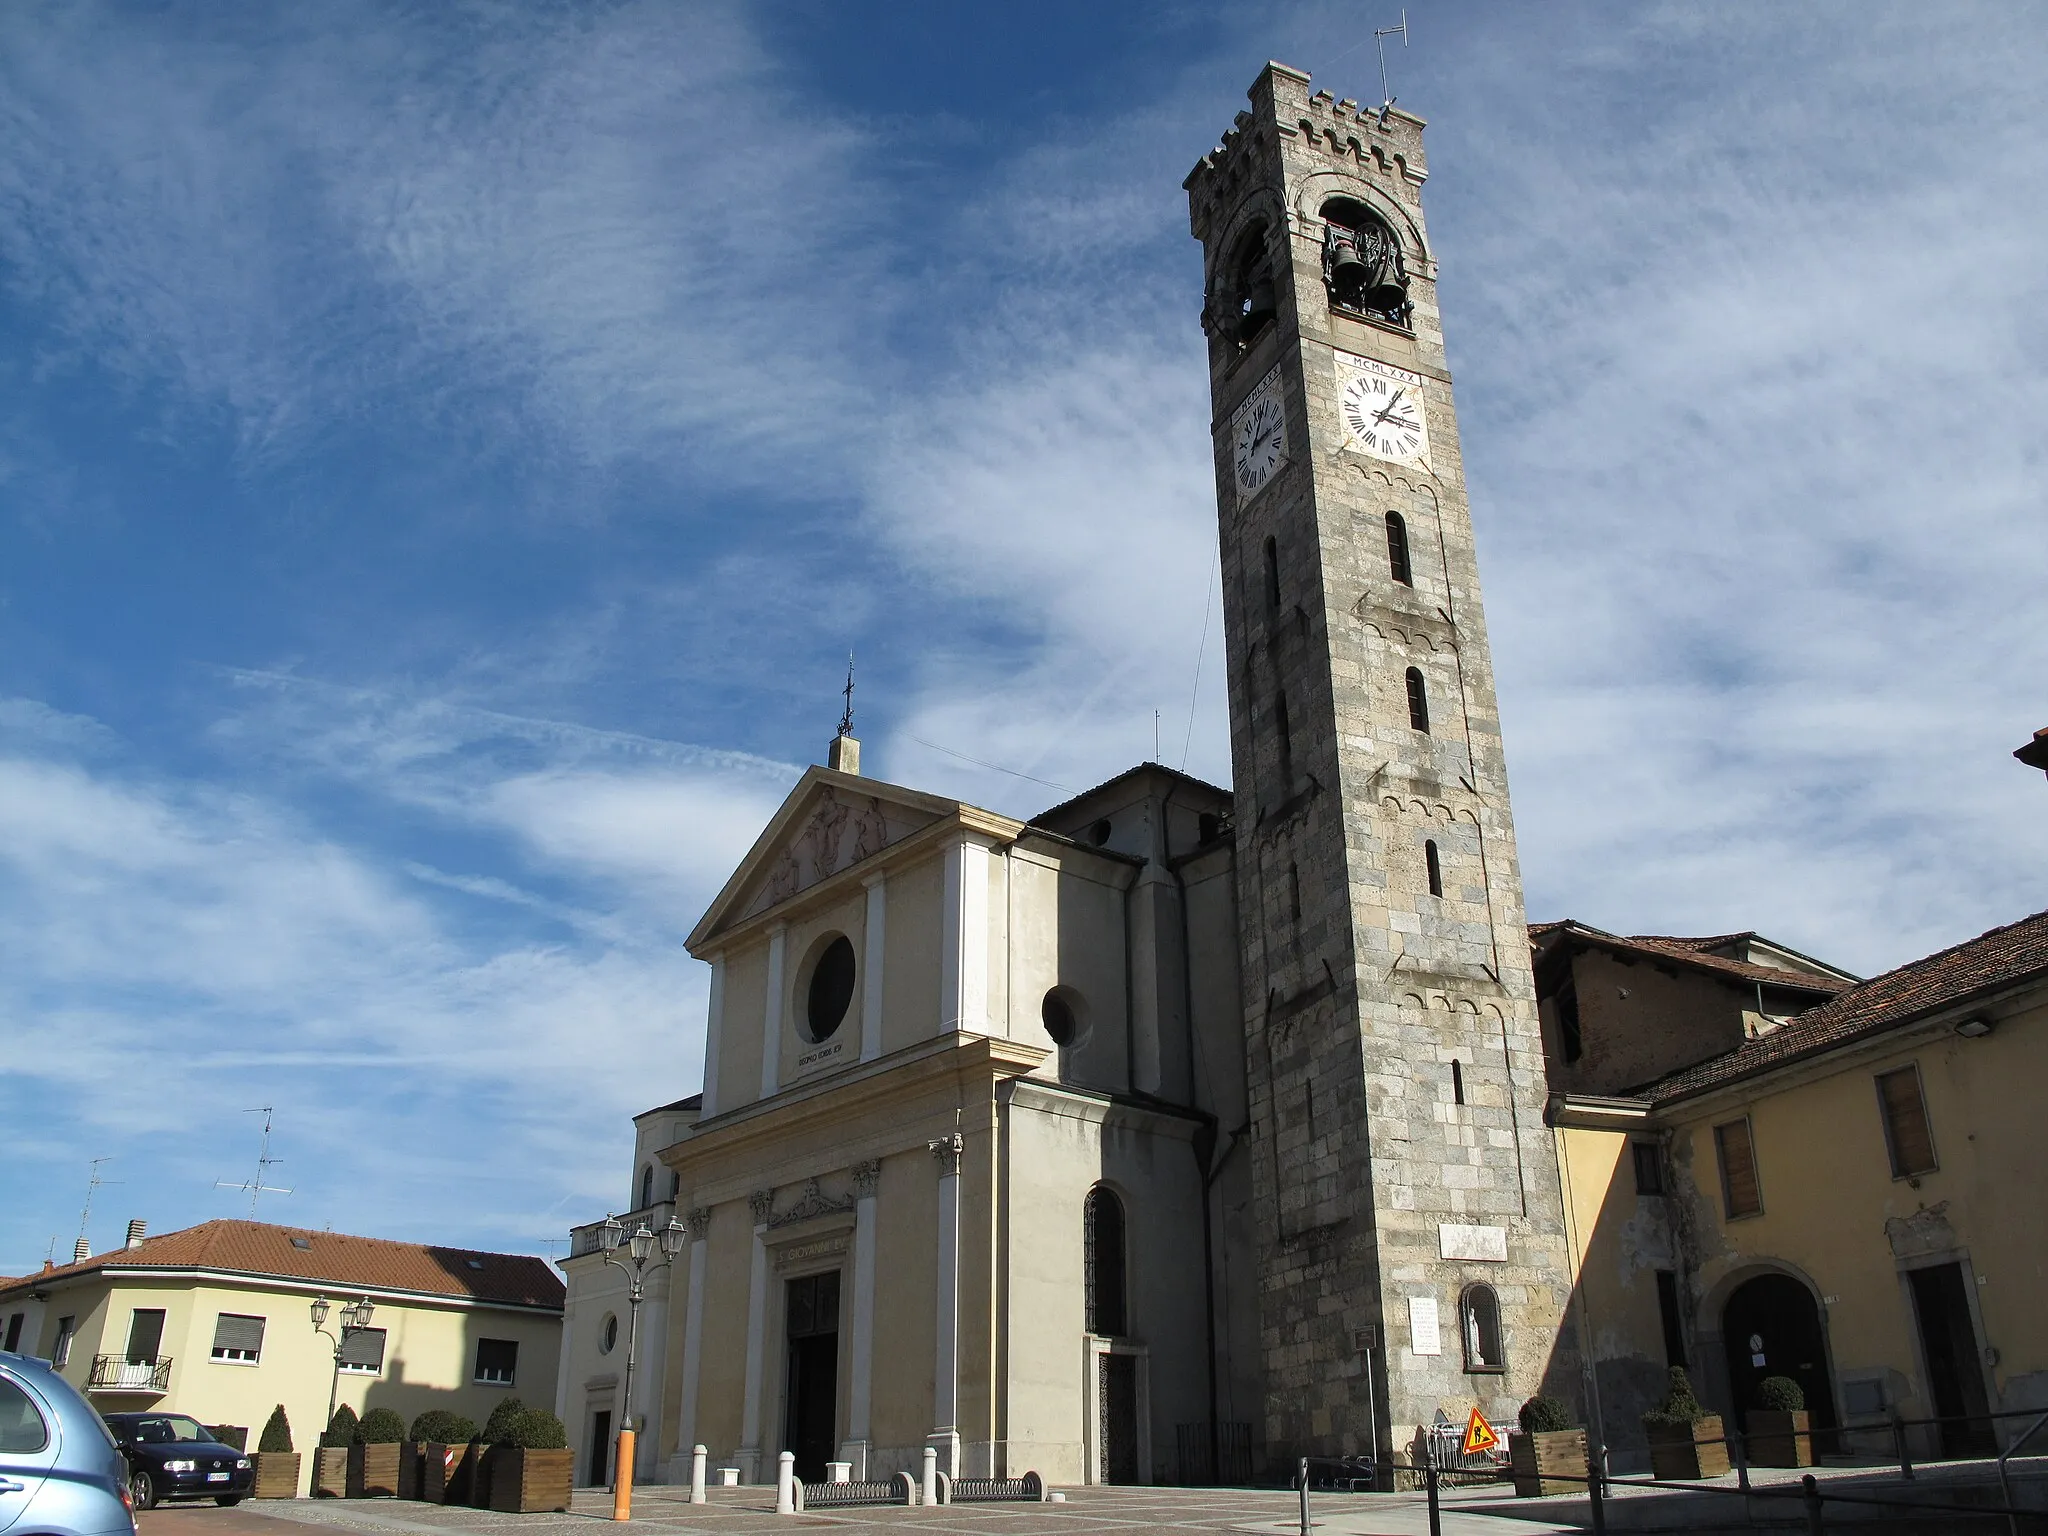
(1382, 409)
(1258, 433)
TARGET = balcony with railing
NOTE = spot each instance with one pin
(121, 1373)
(588, 1238)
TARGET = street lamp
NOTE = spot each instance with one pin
(355, 1317)
(640, 1248)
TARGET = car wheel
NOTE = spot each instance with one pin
(143, 1490)
(227, 1500)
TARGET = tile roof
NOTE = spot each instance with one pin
(333, 1258)
(1954, 975)
(1690, 952)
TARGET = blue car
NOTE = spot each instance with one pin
(174, 1456)
(60, 1471)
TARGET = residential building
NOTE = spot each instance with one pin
(216, 1321)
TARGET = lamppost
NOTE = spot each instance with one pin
(640, 1248)
(355, 1317)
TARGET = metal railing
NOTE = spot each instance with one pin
(900, 1489)
(1028, 1489)
(118, 1373)
(587, 1238)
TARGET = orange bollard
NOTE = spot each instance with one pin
(622, 1478)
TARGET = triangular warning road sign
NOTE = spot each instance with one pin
(1479, 1435)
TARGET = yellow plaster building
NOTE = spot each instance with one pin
(1848, 1196)
(215, 1321)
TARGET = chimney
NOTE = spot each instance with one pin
(137, 1230)
(81, 1251)
(844, 755)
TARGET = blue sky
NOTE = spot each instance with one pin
(447, 452)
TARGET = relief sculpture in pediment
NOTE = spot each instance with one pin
(828, 822)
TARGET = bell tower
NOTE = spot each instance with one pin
(1410, 1227)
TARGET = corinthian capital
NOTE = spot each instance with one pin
(947, 1150)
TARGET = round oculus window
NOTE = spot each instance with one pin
(609, 1334)
(830, 993)
(1060, 1022)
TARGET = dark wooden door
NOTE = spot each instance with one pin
(598, 1469)
(1948, 1337)
(811, 1395)
(1119, 1418)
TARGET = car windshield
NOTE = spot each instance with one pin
(170, 1429)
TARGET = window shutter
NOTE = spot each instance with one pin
(497, 1361)
(363, 1350)
(236, 1337)
(1905, 1122)
(1738, 1169)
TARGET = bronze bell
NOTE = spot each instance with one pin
(1382, 289)
(1260, 307)
(1348, 270)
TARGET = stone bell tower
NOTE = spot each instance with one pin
(1412, 1245)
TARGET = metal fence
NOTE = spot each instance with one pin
(1029, 1489)
(900, 1489)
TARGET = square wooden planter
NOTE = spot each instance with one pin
(1780, 1439)
(277, 1475)
(524, 1482)
(373, 1471)
(1552, 1462)
(444, 1478)
(1679, 1453)
(479, 1461)
(411, 1468)
(330, 1472)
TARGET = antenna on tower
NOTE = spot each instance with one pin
(1379, 38)
(255, 1188)
(82, 1249)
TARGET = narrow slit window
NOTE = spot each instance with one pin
(1571, 1034)
(1741, 1195)
(1418, 701)
(1457, 1081)
(1103, 1231)
(1435, 866)
(1649, 1167)
(1397, 549)
(1294, 892)
(1286, 738)
(1906, 1132)
(646, 1186)
(1272, 574)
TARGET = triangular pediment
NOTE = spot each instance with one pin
(831, 822)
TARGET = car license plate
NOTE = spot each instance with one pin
(217, 1477)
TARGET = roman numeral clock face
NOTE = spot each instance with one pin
(1258, 438)
(1382, 409)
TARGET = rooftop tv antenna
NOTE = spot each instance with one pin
(255, 1188)
(1379, 38)
(91, 1184)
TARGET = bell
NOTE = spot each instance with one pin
(1348, 270)
(1260, 307)
(1382, 290)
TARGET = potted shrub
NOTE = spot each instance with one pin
(330, 1465)
(532, 1468)
(1780, 1433)
(1549, 1454)
(432, 1447)
(277, 1464)
(1685, 1440)
(373, 1458)
(497, 1430)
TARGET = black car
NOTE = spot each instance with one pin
(171, 1456)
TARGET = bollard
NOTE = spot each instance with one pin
(697, 1458)
(622, 1478)
(1596, 1458)
(1739, 1444)
(1899, 1445)
(1304, 1496)
(931, 1476)
(1810, 1497)
(1436, 1517)
(785, 1483)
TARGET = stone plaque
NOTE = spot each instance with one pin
(1424, 1336)
(1487, 1245)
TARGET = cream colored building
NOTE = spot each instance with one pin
(969, 1169)
(215, 1321)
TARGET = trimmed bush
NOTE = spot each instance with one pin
(438, 1426)
(1679, 1407)
(1780, 1394)
(536, 1429)
(277, 1431)
(498, 1427)
(341, 1430)
(1545, 1415)
(380, 1426)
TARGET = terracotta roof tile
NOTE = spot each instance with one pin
(1991, 960)
(333, 1258)
(1685, 952)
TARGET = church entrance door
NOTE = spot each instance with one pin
(811, 1394)
(1119, 1407)
(1771, 1327)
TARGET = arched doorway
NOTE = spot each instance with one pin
(1771, 1326)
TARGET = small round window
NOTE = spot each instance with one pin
(830, 992)
(608, 1335)
(1061, 1012)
